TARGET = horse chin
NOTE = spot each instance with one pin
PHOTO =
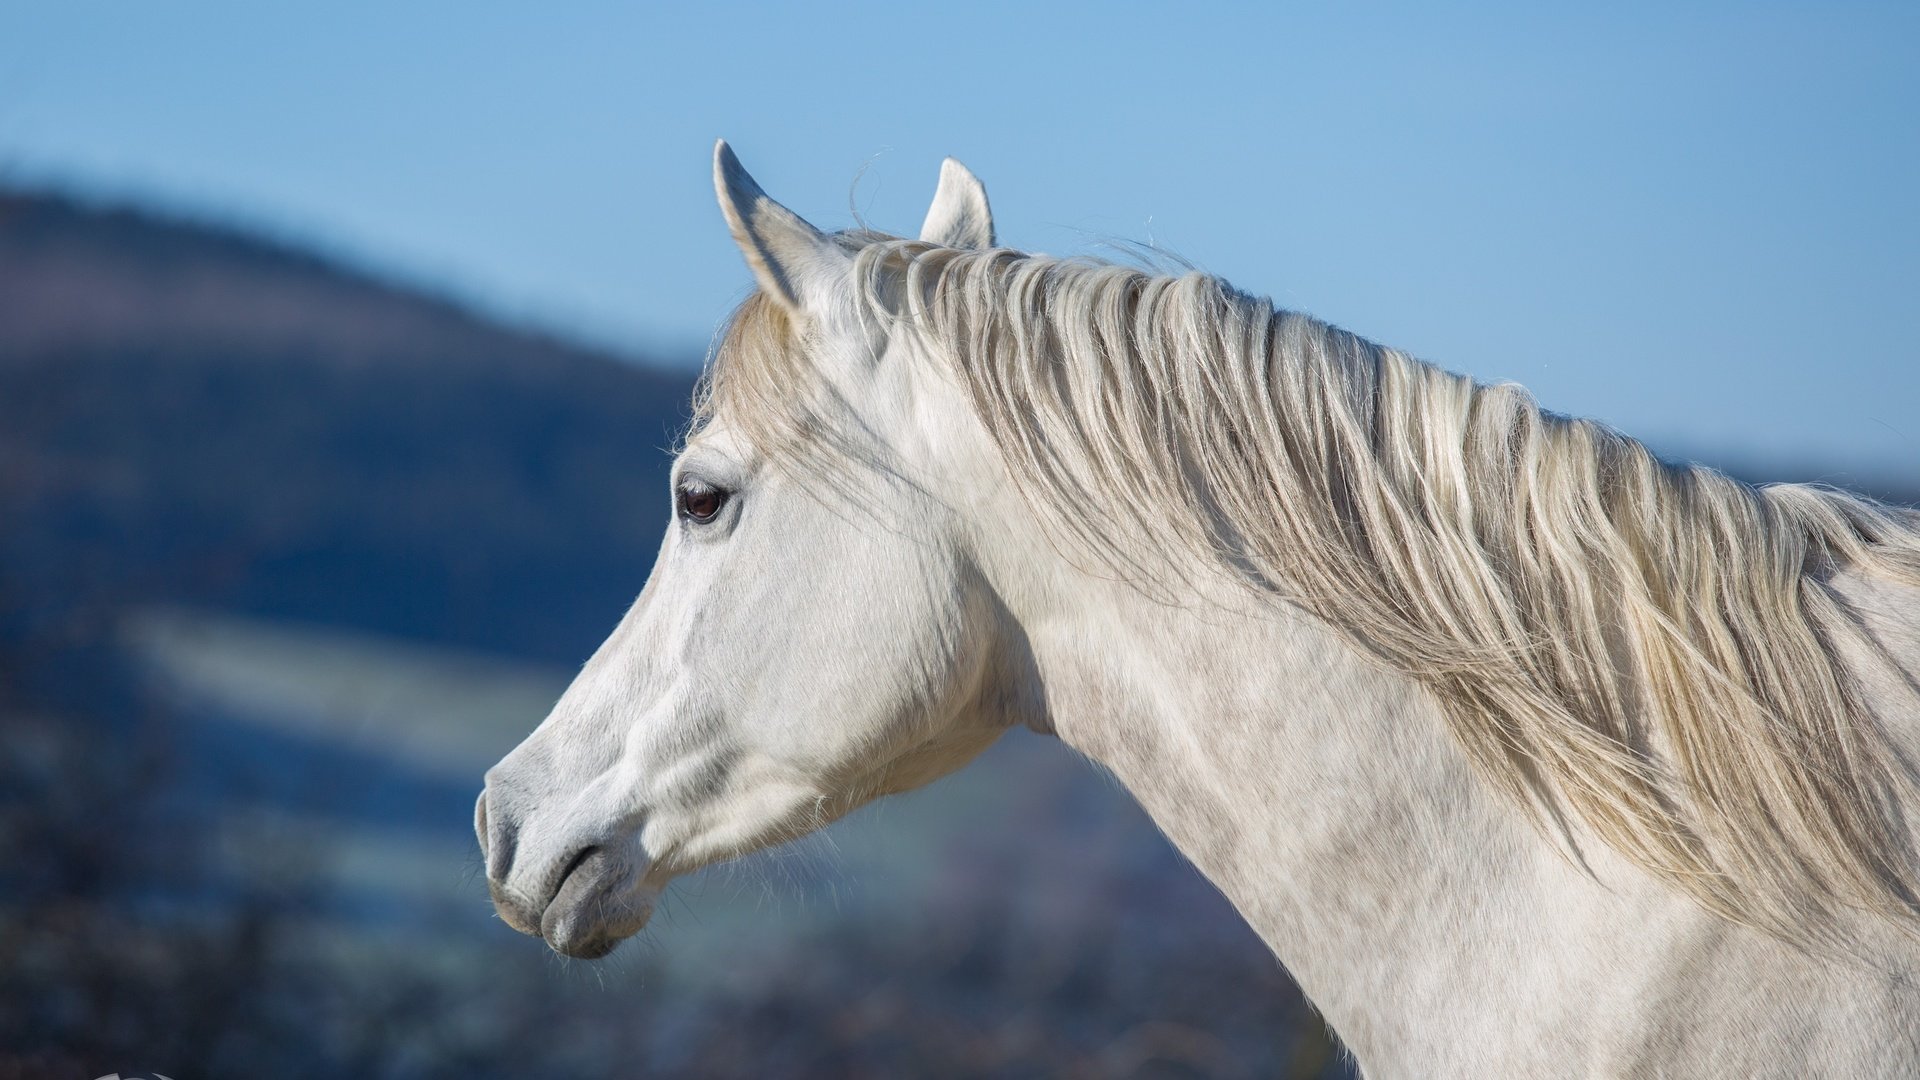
(589, 933)
(598, 906)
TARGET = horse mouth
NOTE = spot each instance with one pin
(602, 900)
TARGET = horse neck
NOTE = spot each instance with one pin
(1324, 797)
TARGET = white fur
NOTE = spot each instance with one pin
(840, 632)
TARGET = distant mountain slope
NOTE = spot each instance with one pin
(189, 415)
(74, 276)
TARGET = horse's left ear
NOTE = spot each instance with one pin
(793, 261)
(959, 216)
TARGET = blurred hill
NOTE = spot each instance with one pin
(190, 415)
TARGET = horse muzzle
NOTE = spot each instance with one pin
(582, 898)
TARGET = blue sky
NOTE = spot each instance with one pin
(1697, 222)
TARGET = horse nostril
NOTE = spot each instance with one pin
(497, 838)
(574, 864)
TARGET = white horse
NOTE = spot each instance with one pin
(1528, 754)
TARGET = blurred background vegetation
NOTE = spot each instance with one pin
(289, 556)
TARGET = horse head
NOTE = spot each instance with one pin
(812, 637)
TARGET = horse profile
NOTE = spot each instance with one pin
(1528, 753)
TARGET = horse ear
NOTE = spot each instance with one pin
(791, 258)
(959, 216)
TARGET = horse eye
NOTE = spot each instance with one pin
(699, 503)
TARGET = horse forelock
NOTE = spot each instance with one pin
(1654, 646)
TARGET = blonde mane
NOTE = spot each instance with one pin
(1654, 647)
